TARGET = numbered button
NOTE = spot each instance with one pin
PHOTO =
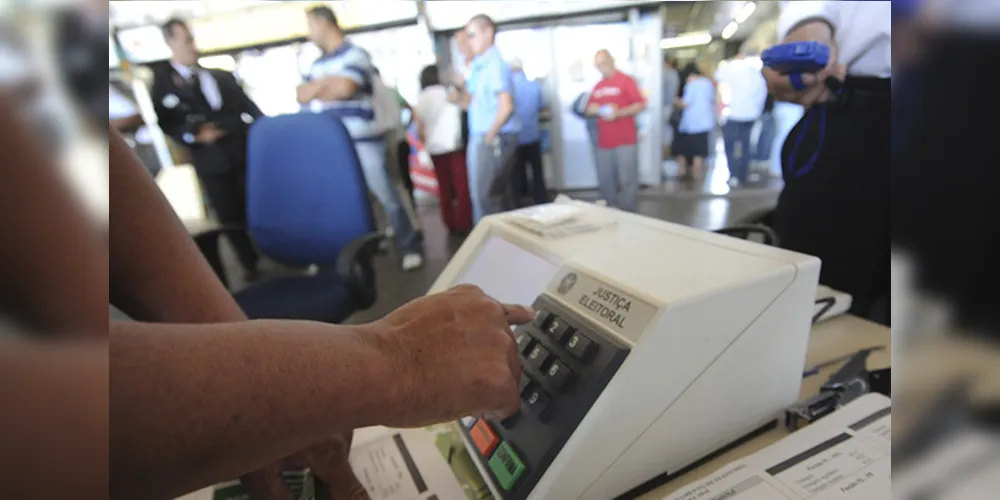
(557, 329)
(523, 341)
(541, 317)
(581, 347)
(525, 383)
(558, 374)
(538, 403)
(537, 356)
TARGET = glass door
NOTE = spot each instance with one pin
(574, 74)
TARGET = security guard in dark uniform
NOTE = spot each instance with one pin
(836, 161)
(208, 111)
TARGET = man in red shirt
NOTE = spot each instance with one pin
(616, 100)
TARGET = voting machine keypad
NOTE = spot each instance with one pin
(565, 365)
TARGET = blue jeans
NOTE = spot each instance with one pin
(765, 141)
(736, 135)
(372, 156)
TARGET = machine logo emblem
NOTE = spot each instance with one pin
(567, 283)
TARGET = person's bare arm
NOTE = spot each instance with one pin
(53, 262)
(54, 423)
(157, 272)
(505, 108)
(330, 88)
(128, 123)
(195, 404)
(192, 405)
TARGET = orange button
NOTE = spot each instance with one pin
(484, 437)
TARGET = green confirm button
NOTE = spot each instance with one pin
(507, 467)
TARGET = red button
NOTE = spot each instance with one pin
(484, 437)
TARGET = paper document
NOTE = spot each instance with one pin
(845, 455)
(404, 464)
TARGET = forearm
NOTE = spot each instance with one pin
(53, 260)
(633, 109)
(504, 109)
(157, 272)
(127, 124)
(334, 89)
(197, 404)
(55, 419)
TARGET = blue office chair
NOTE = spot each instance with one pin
(307, 203)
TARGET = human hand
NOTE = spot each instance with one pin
(814, 89)
(592, 109)
(208, 133)
(457, 79)
(328, 461)
(453, 355)
(611, 114)
(305, 93)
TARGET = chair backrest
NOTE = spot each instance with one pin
(306, 193)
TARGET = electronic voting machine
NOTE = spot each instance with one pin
(653, 346)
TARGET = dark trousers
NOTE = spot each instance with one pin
(839, 210)
(227, 193)
(403, 163)
(529, 155)
(453, 190)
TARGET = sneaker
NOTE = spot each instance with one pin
(412, 261)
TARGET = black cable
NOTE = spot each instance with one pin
(743, 231)
(827, 303)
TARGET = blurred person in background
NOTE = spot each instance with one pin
(670, 90)
(698, 119)
(835, 204)
(760, 159)
(439, 125)
(741, 80)
(530, 109)
(488, 95)
(395, 139)
(615, 101)
(341, 84)
(124, 117)
(81, 44)
(579, 108)
(207, 111)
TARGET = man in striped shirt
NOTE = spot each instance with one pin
(340, 83)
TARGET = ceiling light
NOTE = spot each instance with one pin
(745, 12)
(730, 30)
(686, 40)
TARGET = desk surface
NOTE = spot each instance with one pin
(830, 339)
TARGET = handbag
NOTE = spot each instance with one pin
(421, 165)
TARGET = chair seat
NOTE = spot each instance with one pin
(322, 297)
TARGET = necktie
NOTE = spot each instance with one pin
(195, 83)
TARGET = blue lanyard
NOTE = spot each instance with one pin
(810, 163)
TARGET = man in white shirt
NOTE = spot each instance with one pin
(741, 83)
(835, 204)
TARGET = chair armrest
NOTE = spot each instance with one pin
(744, 231)
(355, 269)
(208, 243)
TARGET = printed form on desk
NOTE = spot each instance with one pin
(845, 455)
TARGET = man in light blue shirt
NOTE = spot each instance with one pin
(529, 107)
(488, 95)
